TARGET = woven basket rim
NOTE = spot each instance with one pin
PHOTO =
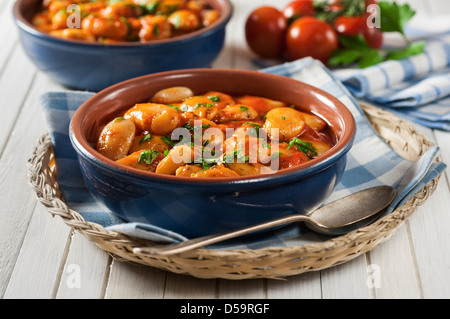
(121, 246)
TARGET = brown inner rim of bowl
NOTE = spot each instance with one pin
(235, 82)
(25, 9)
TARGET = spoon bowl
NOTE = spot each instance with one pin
(337, 218)
(346, 214)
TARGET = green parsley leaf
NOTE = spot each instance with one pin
(413, 49)
(214, 98)
(355, 50)
(174, 107)
(394, 16)
(167, 140)
(118, 119)
(239, 155)
(370, 57)
(156, 29)
(243, 108)
(148, 157)
(302, 146)
(145, 138)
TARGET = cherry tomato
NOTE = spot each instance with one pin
(335, 5)
(369, 2)
(309, 36)
(265, 32)
(350, 26)
(299, 8)
(373, 36)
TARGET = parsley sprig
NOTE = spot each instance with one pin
(393, 18)
(148, 157)
(302, 146)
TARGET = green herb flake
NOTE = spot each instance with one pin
(167, 140)
(156, 29)
(243, 108)
(118, 119)
(174, 107)
(148, 157)
(302, 146)
(214, 98)
(238, 154)
(256, 125)
(145, 138)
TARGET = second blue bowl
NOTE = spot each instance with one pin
(95, 66)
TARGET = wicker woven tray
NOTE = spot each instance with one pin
(276, 262)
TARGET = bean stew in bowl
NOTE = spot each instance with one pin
(213, 135)
(202, 151)
(116, 21)
(91, 45)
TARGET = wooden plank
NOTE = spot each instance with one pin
(392, 272)
(347, 281)
(8, 34)
(304, 286)
(439, 7)
(36, 271)
(15, 82)
(130, 281)
(187, 287)
(17, 198)
(85, 271)
(246, 289)
(429, 229)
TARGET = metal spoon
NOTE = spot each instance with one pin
(337, 218)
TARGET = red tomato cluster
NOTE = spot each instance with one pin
(296, 32)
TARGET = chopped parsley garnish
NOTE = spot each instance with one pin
(283, 118)
(203, 105)
(255, 125)
(174, 107)
(238, 154)
(156, 29)
(243, 108)
(195, 128)
(167, 140)
(302, 146)
(118, 119)
(145, 138)
(214, 98)
(148, 157)
(150, 8)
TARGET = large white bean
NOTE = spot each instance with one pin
(116, 138)
(154, 118)
(289, 123)
(172, 95)
(178, 156)
(237, 112)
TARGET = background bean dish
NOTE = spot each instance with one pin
(123, 20)
(213, 135)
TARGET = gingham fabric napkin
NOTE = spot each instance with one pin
(370, 163)
(416, 88)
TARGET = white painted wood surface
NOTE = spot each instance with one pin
(39, 254)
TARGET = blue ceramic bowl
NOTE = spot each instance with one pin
(196, 207)
(95, 66)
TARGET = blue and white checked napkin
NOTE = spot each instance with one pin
(371, 162)
(415, 88)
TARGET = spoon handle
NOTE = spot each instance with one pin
(172, 249)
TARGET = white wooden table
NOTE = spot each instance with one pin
(39, 254)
